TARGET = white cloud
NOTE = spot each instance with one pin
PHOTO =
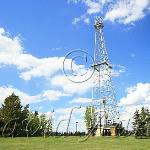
(12, 53)
(40, 108)
(137, 97)
(139, 94)
(10, 48)
(45, 67)
(81, 100)
(68, 110)
(68, 86)
(122, 11)
(118, 70)
(25, 98)
(128, 11)
(74, 1)
(51, 95)
(68, 83)
(87, 20)
(76, 20)
(93, 6)
(83, 17)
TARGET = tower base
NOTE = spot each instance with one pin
(109, 131)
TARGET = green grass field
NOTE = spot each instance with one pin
(72, 143)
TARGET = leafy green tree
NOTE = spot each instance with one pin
(46, 125)
(34, 124)
(24, 120)
(90, 117)
(39, 125)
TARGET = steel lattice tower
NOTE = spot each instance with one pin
(103, 94)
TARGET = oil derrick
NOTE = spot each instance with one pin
(103, 93)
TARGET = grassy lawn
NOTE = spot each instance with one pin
(72, 143)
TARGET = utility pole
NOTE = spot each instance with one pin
(76, 126)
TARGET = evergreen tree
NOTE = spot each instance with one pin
(1, 122)
(11, 108)
(11, 112)
(141, 123)
(15, 116)
(136, 122)
(16, 120)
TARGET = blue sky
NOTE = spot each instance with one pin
(36, 36)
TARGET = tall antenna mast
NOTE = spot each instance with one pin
(103, 93)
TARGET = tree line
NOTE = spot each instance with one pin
(18, 120)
